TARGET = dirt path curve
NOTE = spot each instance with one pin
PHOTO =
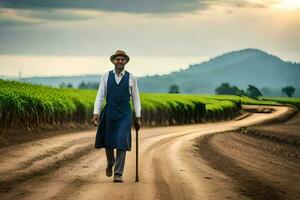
(68, 166)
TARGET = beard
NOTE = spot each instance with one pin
(120, 66)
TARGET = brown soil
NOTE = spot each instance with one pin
(263, 161)
(69, 167)
(17, 136)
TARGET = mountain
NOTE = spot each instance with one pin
(240, 68)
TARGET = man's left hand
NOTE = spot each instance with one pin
(137, 123)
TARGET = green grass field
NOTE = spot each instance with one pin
(284, 100)
(23, 105)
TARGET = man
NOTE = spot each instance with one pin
(114, 121)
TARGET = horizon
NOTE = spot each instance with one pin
(143, 75)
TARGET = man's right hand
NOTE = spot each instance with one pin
(95, 120)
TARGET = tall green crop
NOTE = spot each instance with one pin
(25, 105)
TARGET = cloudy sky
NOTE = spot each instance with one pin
(72, 37)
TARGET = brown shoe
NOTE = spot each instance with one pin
(118, 178)
(109, 171)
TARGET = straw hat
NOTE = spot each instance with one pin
(119, 53)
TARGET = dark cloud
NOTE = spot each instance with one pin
(242, 3)
(65, 9)
(131, 6)
(55, 14)
(45, 10)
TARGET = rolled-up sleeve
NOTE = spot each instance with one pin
(100, 95)
(136, 98)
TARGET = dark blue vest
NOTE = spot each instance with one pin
(114, 131)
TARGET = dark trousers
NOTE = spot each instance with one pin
(119, 160)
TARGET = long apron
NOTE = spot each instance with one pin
(114, 130)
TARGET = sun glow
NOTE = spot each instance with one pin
(289, 4)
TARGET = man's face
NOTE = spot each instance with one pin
(119, 62)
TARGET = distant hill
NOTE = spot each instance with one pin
(57, 80)
(240, 68)
(248, 66)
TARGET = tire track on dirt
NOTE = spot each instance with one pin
(57, 184)
(60, 160)
(52, 152)
(255, 186)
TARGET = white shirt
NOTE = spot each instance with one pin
(133, 90)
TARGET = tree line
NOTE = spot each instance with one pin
(252, 91)
(82, 85)
(225, 88)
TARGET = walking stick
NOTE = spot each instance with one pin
(136, 155)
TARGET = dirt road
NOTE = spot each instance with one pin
(68, 166)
